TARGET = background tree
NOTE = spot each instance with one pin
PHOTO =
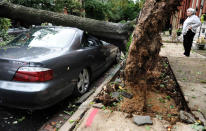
(95, 9)
(4, 26)
(131, 11)
(112, 10)
(73, 6)
(119, 10)
(38, 4)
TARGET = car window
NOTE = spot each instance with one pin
(90, 41)
(105, 43)
(48, 37)
(99, 42)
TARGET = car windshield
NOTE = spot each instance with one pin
(47, 37)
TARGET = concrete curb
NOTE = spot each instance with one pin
(179, 89)
(74, 119)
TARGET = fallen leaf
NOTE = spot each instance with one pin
(21, 119)
(71, 121)
(148, 128)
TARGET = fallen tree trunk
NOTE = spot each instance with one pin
(105, 30)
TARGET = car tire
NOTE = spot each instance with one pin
(83, 82)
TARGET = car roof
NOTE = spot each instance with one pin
(57, 27)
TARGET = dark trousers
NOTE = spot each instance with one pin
(187, 42)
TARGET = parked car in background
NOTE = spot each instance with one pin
(16, 31)
(44, 65)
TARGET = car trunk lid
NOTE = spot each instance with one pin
(8, 68)
(31, 54)
(12, 58)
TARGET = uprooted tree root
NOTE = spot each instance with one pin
(142, 72)
(163, 98)
(152, 93)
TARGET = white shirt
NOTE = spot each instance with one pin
(192, 21)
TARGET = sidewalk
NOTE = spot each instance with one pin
(190, 73)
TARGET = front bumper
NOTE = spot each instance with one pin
(28, 95)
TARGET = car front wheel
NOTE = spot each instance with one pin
(83, 82)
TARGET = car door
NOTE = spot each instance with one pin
(110, 52)
(95, 54)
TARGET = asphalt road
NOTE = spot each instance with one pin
(50, 118)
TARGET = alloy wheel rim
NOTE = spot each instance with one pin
(83, 81)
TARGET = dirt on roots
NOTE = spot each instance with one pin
(163, 98)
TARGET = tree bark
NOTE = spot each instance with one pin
(146, 43)
(112, 32)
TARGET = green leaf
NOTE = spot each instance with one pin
(91, 103)
(169, 115)
(71, 121)
(184, 79)
(168, 97)
(114, 103)
(197, 126)
(162, 85)
(21, 119)
(103, 107)
(171, 106)
(193, 97)
(199, 73)
(161, 100)
(69, 113)
(148, 127)
(159, 117)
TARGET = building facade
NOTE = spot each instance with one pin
(180, 16)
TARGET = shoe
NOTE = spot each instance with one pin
(186, 54)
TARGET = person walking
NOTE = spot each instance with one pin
(190, 26)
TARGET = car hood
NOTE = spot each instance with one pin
(32, 54)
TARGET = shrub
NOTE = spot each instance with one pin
(129, 43)
(4, 26)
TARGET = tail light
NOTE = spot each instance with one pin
(33, 74)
